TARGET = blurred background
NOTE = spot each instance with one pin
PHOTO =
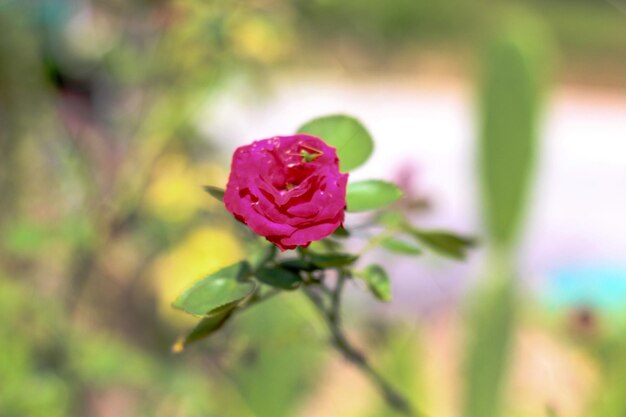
(504, 120)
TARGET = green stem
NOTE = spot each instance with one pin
(332, 318)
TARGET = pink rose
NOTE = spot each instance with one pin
(288, 189)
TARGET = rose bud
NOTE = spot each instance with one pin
(288, 189)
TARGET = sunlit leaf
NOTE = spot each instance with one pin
(371, 195)
(351, 139)
(279, 277)
(217, 291)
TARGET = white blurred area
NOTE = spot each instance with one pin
(577, 214)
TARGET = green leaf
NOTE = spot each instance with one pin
(353, 142)
(220, 290)
(279, 277)
(490, 333)
(400, 246)
(262, 255)
(326, 246)
(341, 233)
(204, 329)
(515, 71)
(297, 265)
(444, 243)
(332, 260)
(216, 192)
(392, 220)
(377, 281)
(371, 195)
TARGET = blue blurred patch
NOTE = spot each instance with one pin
(601, 287)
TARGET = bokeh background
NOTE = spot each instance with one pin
(504, 120)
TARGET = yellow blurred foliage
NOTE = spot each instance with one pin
(203, 252)
(260, 39)
(175, 193)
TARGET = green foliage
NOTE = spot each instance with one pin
(610, 398)
(221, 290)
(280, 362)
(441, 242)
(377, 281)
(490, 333)
(400, 354)
(400, 246)
(266, 273)
(371, 195)
(444, 243)
(205, 327)
(279, 277)
(515, 70)
(29, 357)
(351, 139)
(514, 77)
(262, 255)
(332, 260)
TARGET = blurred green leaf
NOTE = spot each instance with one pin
(327, 245)
(280, 363)
(351, 139)
(377, 281)
(332, 260)
(203, 329)
(514, 76)
(490, 333)
(341, 233)
(216, 192)
(400, 246)
(221, 290)
(392, 219)
(262, 255)
(25, 237)
(398, 351)
(279, 277)
(444, 243)
(371, 195)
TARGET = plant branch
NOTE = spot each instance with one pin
(332, 318)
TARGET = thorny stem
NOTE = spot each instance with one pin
(332, 318)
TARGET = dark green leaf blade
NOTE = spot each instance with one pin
(341, 233)
(216, 192)
(445, 243)
(278, 277)
(332, 260)
(297, 265)
(217, 291)
(371, 195)
(205, 327)
(353, 142)
(377, 281)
